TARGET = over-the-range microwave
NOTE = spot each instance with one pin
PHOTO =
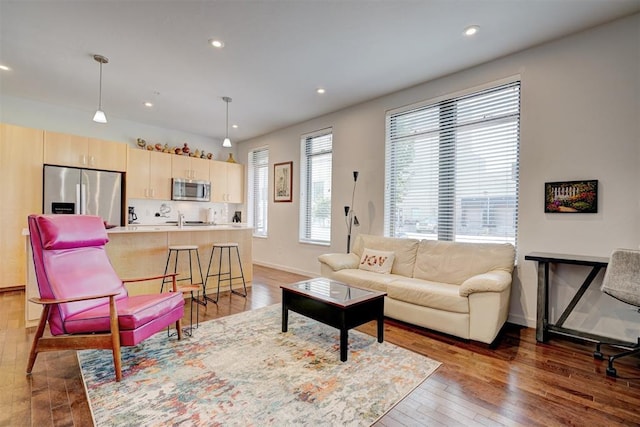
(192, 190)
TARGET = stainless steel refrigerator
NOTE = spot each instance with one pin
(83, 191)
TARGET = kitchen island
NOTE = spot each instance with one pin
(141, 251)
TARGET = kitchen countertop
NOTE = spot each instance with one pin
(155, 228)
(160, 228)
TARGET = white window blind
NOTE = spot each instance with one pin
(452, 168)
(259, 190)
(315, 185)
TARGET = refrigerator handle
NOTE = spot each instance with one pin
(83, 199)
(77, 208)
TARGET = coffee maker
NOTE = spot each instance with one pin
(132, 214)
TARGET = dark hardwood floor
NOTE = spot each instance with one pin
(515, 382)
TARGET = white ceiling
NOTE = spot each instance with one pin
(276, 54)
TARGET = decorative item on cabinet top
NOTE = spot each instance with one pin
(185, 150)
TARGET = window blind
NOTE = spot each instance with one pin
(452, 168)
(315, 183)
(259, 191)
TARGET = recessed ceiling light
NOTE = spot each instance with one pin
(320, 90)
(148, 104)
(216, 43)
(4, 67)
(471, 30)
(234, 126)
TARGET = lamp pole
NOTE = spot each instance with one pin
(350, 215)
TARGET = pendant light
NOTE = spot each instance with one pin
(100, 117)
(227, 142)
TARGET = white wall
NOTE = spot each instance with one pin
(580, 120)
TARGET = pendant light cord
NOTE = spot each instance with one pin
(100, 90)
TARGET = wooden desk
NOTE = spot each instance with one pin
(543, 326)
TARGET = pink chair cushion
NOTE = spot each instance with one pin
(71, 231)
(133, 312)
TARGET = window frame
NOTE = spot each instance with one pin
(252, 200)
(307, 192)
(449, 201)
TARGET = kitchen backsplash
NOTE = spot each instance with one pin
(154, 212)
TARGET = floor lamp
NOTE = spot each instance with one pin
(350, 216)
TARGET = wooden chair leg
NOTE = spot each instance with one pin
(174, 287)
(39, 332)
(115, 338)
(179, 328)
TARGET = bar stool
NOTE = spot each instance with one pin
(189, 288)
(177, 250)
(226, 276)
(185, 289)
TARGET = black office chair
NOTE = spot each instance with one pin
(622, 281)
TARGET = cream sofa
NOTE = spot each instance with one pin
(457, 288)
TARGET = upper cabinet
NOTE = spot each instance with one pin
(148, 175)
(108, 155)
(235, 180)
(227, 182)
(190, 168)
(21, 195)
(80, 151)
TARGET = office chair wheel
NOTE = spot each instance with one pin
(611, 371)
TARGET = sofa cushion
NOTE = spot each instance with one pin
(376, 261)
(440, 296)
(455, 262)
(404, 249)
(365, 279)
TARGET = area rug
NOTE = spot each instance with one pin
(242, 370)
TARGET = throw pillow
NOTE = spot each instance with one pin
(376, 261)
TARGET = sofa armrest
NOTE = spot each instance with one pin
(339, 261)
(492, 281)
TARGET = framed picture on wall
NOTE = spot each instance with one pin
(283, 182)
(571, 197)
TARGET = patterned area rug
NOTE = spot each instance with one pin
(242, 370)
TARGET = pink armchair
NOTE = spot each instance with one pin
(85, 303)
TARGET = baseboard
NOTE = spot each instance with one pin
(521, 320)
(286, 268)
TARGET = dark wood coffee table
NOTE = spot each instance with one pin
(335, 304)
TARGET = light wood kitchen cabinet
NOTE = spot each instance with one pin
(148, 175)
(227, 182)
(107, 155)
(235, 181)
(83, 152)
(21, 156)
(190, 168)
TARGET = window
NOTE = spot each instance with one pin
(315, 186)
(452, 168)
(258, 190)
